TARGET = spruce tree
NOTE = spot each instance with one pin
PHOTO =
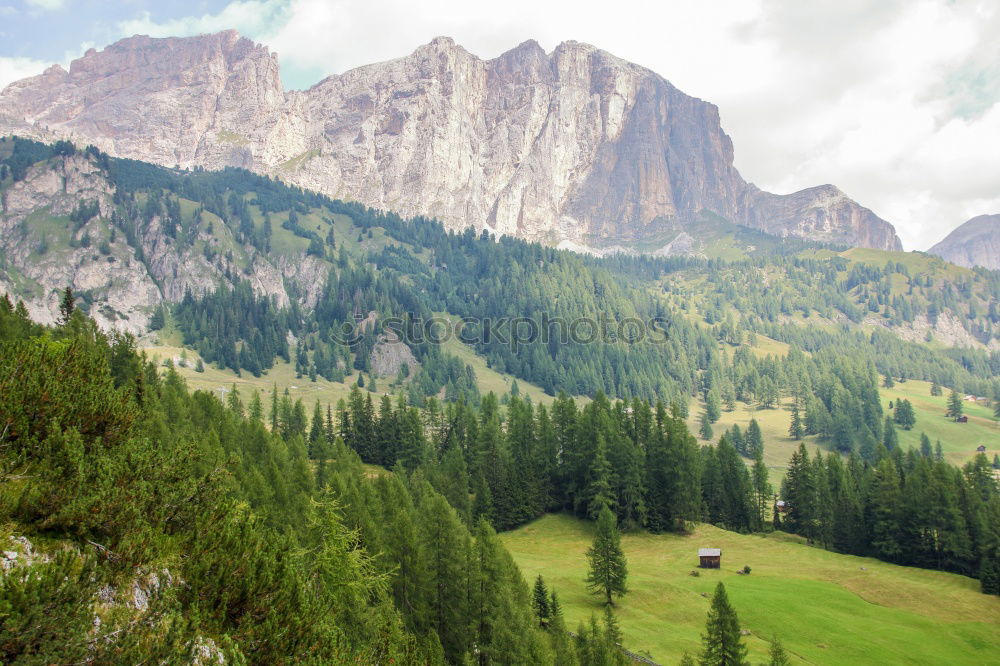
(777, 655)
(925, 445)
(66, 306)
(540, 601)
(723, 644)
(608, 569)
(796, 429)
(705, 429)
(954, 405)
(761, 487)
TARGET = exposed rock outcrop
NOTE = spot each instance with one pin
(974, 243)
(574, 145)
(122, 280)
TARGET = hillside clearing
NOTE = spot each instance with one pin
(825, 607)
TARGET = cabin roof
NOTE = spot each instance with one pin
(709, 552)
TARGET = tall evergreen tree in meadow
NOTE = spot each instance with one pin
(608, 569)
(713, 406)
(796, 430)
(777, 655)
(761, 488)
(722, 642)
(904, 414)
(705, 429)
(955, 406)
(754, 439)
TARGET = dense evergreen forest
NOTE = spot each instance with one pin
(154, 523)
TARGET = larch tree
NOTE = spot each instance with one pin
(608, 568)
(723, 644)
(954, 405)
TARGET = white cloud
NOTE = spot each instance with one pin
(13, 69)
(896, 102)
(250, 17)
(47, 5)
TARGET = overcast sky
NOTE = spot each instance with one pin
(897, 102)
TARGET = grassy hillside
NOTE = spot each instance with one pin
(166, 344)
(958, 440)
(826, 608)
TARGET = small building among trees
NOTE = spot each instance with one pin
(962, 419)
(981, 448)
(709, 558)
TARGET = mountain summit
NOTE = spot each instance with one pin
(974, 243)
(574, 146)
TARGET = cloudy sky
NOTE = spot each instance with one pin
(895, 101)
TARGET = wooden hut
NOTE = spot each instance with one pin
(709, 558)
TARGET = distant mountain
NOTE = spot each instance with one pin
(575, 146)
(974, 243)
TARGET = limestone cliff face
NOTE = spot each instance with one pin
(574, 145)
(821, 213)
(974, 243)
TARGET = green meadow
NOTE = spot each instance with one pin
(826, 608)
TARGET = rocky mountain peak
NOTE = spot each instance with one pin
(976, 242)
(575, 144)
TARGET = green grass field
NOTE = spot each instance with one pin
(826, 608)
(958, 440)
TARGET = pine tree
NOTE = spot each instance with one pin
(777, 654)
(67, 305)
(954, 405)
(705, 429)
(761, 487)
(796, 429)
(608, 569)
(925, 445)
(540, 602)
(996, 461)
(935, 388)
(256, 409)
(713, 406)
(723, 644)
(904, 415)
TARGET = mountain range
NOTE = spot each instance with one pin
(575, 147)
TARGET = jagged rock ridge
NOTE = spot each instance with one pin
(974, 243)
(575, 145)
